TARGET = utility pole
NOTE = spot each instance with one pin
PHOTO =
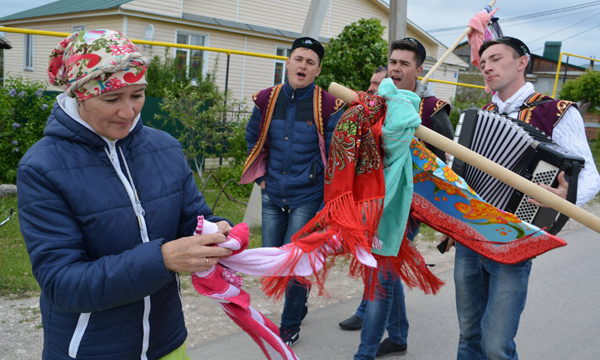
(314, 18)
(397, 20)
(312, 28)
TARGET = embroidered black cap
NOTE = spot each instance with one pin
(309, 43)
(420, 48)
(512, 42)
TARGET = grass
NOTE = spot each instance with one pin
(16, 279)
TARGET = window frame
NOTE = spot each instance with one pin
(287, 49)
(205, 53)
(28, 52)
(426, 71)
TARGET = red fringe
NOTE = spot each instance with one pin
(341, 217)
(409, 266)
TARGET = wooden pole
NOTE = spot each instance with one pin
(449, 51)
(472, 158)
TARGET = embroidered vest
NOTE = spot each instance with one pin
(324, 104)
(540, 110)
(428, 107)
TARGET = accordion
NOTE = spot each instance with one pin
(522, 149)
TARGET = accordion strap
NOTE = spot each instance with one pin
(534, 103)
(526, 106)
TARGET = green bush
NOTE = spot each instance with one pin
(352, 56)
(199, 111)
(584, 88)
(24, 110)
(458, 107)
(166, 76)
(223, 174)
(238, 149)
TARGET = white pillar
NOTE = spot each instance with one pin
(253, 216)
(397, 28)
(314, 18)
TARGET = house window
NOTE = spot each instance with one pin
(281, 72)
(28, 52)
(191, 59)
(424, 73)
(77, 28)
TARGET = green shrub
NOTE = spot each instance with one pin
(24, 110)
(199, 112)
(353, 55)
(224, 174)
(166, 76)
(238, 149)
(584, 88)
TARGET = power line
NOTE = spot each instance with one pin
(529, 16)
(570, 37)
(568, 27)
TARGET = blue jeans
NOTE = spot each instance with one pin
(490, 298)
(386, 312)
(413, 230)
(278, 226)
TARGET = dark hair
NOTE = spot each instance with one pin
(518, 49)
(486, 45)
(380, 69)
(410, 44)
(517, 45)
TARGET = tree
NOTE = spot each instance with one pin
(354, 54)
(199, 111)
(585, 88)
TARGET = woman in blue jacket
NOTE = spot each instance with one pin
(107, 208)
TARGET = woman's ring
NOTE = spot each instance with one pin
(206, 262)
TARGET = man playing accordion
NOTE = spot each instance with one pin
(490, 296)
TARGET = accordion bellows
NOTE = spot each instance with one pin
(522, 149)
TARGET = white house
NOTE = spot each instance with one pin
(260, 26)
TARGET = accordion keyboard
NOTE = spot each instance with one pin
(543, 174)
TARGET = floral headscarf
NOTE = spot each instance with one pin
(90, 63)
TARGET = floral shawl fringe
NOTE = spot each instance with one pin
(353, 195)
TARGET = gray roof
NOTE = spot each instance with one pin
(65, 7)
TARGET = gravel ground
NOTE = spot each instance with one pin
(21, 335)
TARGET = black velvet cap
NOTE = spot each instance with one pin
(309, 43)
(514, 43)
(420, 48)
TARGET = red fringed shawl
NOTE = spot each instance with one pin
(354, 195)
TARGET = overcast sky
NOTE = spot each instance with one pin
(578, 29)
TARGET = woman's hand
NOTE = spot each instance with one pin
(192, 253)
(224, 227)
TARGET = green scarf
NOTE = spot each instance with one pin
(397, 132)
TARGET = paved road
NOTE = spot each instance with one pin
(561, 320)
